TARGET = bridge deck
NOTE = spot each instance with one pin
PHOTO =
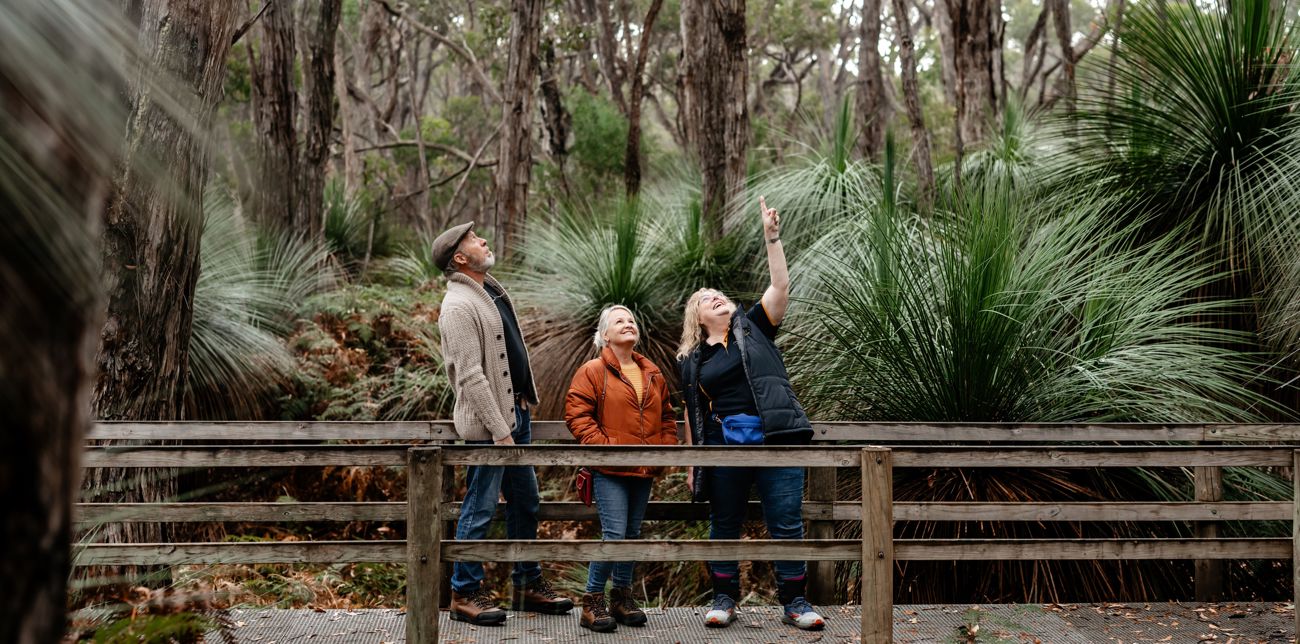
(1238, 623)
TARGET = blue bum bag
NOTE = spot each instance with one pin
(742, 429)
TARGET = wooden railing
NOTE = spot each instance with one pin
(428, 509)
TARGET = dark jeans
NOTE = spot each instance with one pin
(621, 501)
(518, 483)
(780, 490)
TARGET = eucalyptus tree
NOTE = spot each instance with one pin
(713, 103)
(153, 226)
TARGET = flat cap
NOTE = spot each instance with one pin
(445, 245)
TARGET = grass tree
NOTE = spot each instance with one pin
(1199, 125)
(248, 287)
(1016, 306)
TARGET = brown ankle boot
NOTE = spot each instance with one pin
(623, 607)
(538, 597)
(595, 614)
(476, 607)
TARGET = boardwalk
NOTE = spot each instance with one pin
(1237, 623)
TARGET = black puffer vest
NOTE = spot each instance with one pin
(784, 420)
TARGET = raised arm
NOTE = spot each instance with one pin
(777, 296)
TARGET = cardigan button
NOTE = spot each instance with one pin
(503, 356)
(505, 373)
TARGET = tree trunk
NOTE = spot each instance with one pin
(977, 34)
(1113, 65)
(1061, 20)
(632, 157)
(60, 133)
(275, 106)
(557, 120)
(873, 109)
(947, 51)
(714, 92)
(515, 160)
(322, 25)
(1030, 69)
(912, 98)
(151, 237)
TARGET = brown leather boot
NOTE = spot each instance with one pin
(623, 607)
(595, 614)
(539, 597)
(477, 608)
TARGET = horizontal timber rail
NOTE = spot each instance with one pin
(426, 513)
(395, 511)
(716, 455)
(174, 554)
(550, 430)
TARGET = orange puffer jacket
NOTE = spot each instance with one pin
(601, 409)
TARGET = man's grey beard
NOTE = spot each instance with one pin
(483, 266)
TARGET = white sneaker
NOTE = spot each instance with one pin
(800, 614)
(723, 612)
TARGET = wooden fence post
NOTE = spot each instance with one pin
(423, 544)
(822, 489)
(1210, 577)
(448, 529)
(1295, 539)
(877, 545)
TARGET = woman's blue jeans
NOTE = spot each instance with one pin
(518, 484)
(621, 502)
(780, 490)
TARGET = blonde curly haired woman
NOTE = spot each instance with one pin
(738, 393)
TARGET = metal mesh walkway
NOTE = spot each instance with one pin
(951, 624)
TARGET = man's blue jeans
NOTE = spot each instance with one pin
(621, 501)
(518, 483)
(780, 490)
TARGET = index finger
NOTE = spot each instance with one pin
(762, 203)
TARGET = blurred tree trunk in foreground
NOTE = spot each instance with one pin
(60, 134)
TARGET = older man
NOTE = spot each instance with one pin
(487, 365)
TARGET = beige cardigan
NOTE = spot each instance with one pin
(474, 350)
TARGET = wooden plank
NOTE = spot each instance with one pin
(174, 554)
(1079, 511)
(877, 545)
(821, 574)
(1091, 456)
(88, 514)
(676, 456)
(286, 552)
(896, 432)
(652, 550)
(672, 456)
(1090, 549)
(544, 430)
(423, 543)
(438, 430)
(245, 456)
(909, 456)
(1209, 573)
